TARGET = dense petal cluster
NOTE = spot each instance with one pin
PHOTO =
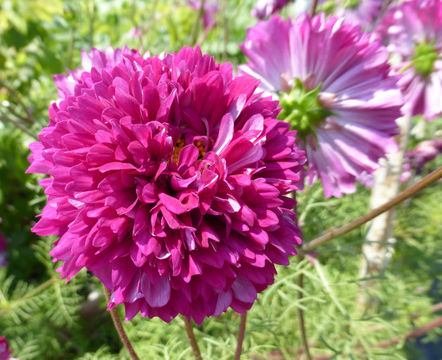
(412, 32)
(334, 85)
(265, 8)
(168, 180)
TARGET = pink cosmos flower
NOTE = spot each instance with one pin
(359, 12)
(413, 32)
(168, 180)
(264, 8)
(333, 84)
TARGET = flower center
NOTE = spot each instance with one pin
(302, 108)
(180, 143)
(425, 55)
(177, 148)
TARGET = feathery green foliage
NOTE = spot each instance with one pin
(44, 318)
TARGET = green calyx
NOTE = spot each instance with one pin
(302, 109)
(424, 57)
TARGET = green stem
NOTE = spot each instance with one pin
(313, 8)
(192, 340)
(412, 190)
(241, 334)
(197, 22)
(301, 318)
(119, 327)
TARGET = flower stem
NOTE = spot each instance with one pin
(313, 8)
(18, 124)
(241, 334)
(192, 340)
(301, 318)
(333, 233)
(197, 22)
(119, 327)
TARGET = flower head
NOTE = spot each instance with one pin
(264, 8)
(168, 180)
(333, 84)
(413, 33)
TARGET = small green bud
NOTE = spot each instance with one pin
(424, 58)
(302, 108)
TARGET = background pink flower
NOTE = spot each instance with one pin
(266, 8)
(334, 86)
(168, 180)
(362, 12)
(413, 33)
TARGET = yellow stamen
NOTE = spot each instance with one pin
(177, 148)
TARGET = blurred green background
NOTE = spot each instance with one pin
(43, 318)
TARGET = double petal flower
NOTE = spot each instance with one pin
(169, 180)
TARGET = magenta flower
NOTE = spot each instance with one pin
(3, 253)
(333, 84)
(4, 349)
(413, 32)
(265, 8)
(168, 180)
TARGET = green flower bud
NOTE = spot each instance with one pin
(424, 58)
(302, 108)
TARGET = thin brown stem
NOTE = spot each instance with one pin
(412, 190)
(19, 125)
(313, 8)
(412, 334)
(18, 115)
(120, 330)
(192, 340)
(241, 334)
(418, 332)
(305, 344)
(19, 100)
